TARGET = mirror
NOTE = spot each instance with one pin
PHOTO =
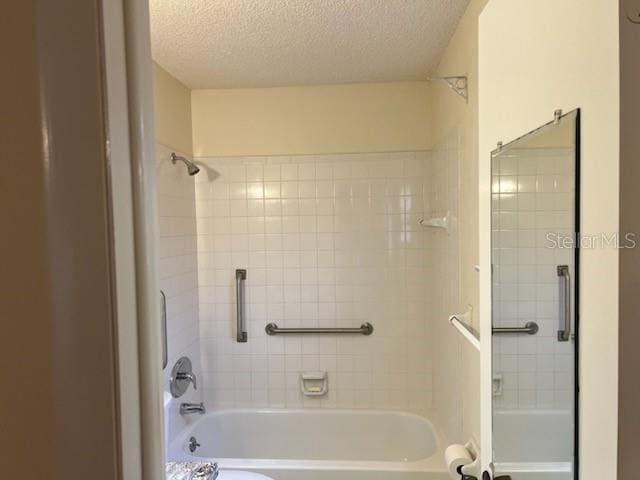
(534, 252)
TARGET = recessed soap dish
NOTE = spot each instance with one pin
(314, 384)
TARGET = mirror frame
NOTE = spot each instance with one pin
(558, 116)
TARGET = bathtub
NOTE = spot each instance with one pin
(317, 444)
(544, 453)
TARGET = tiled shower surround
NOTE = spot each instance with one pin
(532, 198)
(330, 240)
(178, 269)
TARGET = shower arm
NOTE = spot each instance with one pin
(175, 158)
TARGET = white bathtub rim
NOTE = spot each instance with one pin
(533, 411)
(427, 465)
(324, 465)
(433, 463)
(339, 411)
(524, 467)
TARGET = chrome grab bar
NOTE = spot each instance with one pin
(565, 323)
(241, 327)
(163, 310)
(530, 328)
(273, 329)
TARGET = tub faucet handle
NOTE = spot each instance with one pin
(189, 377)
(181, 376)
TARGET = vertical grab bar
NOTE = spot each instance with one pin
(565, 323)
(163, 310)
(241, 328)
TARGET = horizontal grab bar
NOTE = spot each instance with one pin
(530, 328)
(273, 329)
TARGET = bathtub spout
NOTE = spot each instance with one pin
(191, 408)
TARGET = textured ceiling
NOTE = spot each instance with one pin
(264, 43)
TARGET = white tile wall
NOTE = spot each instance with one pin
(327, 241)
(178, 268)
(533, 194)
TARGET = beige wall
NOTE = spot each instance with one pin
(536, 57)
(172, 112)
(451, 114)
(374, 117)
(25, 325)
(58, 409)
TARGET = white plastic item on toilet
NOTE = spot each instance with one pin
(240, 475)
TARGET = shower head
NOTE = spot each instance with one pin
(192, 169)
